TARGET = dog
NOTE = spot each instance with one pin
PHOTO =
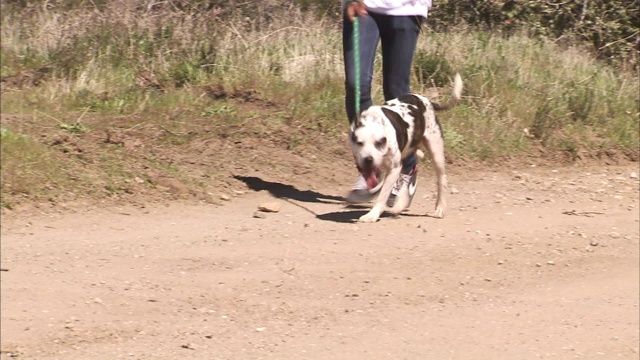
(382, 136)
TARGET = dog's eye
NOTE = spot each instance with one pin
(354, 140)
(381, 143)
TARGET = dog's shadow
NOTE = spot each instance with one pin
(293, 195)
(287, 192)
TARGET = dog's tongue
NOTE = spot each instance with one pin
(372, 180)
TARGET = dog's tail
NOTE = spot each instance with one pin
(456, 95)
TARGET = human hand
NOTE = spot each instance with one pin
(355, 8)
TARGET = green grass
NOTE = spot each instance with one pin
(83, 72)
(28, 167)
(563, 98)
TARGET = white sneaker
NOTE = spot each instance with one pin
(360, 193)
(405, 181)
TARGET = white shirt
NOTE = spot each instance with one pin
(398, 7)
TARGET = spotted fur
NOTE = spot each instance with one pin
(384, 135)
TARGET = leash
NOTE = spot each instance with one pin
(356, 56)
(356, 62)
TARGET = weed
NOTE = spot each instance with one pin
(223, 110)
(27, 166)
(6, 205)
(432, 68)
(8, 136)
(74, 128)
(453, 140)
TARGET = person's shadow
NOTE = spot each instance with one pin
(288, 193)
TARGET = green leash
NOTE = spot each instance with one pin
(356, 61)
(356, 56)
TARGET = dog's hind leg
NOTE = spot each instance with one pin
(435, 146)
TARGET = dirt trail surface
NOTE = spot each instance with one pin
(528, 263)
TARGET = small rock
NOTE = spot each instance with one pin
(551, 262)
(261, 329)
(538, 264)
(633, 175)
(454, 190)
(500, 262)
(259, 215)
(225, 197)
(270, 207)
(594, 243)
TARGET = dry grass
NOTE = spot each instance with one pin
(280, 77)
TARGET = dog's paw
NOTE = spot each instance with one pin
(368, 218)
(400, 206)
(439, 213)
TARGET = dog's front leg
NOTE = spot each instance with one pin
(381, 202)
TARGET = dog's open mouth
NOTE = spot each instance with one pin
(371, 177)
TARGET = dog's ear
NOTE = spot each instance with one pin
(357, 122)
(353, 138)
(354, 125)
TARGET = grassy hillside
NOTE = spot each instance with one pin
(173, 78)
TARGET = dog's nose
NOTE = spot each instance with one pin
(368, 161)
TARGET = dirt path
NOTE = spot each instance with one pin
(528, 264)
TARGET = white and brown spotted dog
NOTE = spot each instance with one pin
(384, 135)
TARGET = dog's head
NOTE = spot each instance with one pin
(369, 143)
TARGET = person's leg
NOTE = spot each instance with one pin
(399, 35)
(369, 38)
